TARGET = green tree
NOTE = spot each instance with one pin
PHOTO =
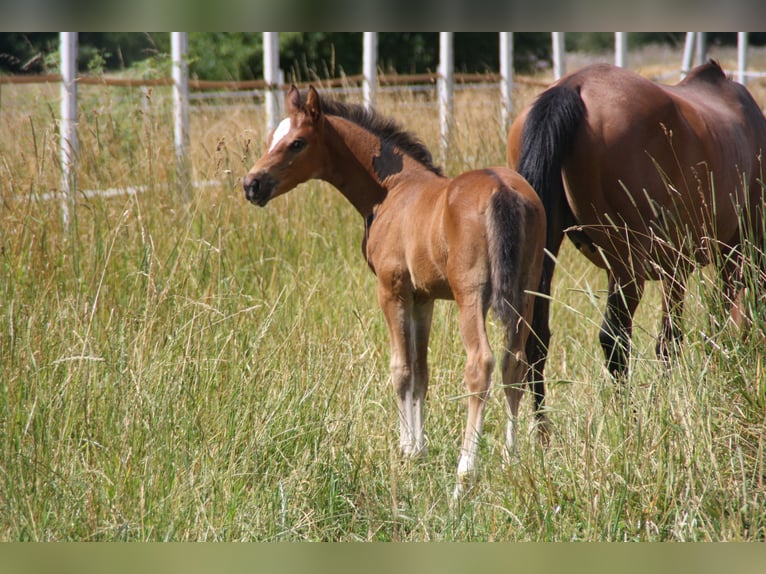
(226, 56)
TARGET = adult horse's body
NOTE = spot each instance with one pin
(648, 181)
(477, 238)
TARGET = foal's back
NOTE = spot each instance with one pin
(432, 233)
(467, 199)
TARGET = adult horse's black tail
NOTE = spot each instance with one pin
(549, 132)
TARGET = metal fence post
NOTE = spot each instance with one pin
(445, 86)
(620, 49)
(559, 55)
(686, 65)
(506, 78)
(179, 49)
(68, 52)
(370, 68)
(742, 57)
(271, 75)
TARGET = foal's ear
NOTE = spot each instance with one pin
(313, 104)
(293, 99)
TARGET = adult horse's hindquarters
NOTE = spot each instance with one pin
(648, 181)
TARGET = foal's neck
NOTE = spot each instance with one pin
(346, 168)
(363, 167)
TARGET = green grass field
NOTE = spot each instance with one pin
(200, 369)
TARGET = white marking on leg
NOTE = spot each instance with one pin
(511, 448)
(466, 466)
(514, 370)
(280, 133)
(406, 440)
(419, 440)
(466, 469)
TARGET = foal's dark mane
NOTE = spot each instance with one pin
(387, 129)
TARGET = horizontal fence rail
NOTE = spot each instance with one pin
(354, 80)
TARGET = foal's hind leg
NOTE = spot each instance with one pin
(514, 367)
(478, 377)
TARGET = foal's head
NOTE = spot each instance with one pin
(300, 148)
(295, 153)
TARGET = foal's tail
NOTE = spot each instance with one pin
(505, 238)
(549, 132)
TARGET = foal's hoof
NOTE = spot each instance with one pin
(544, 431)
(466, 478)
(510, 457)
(463, 486)
(419, 453)
(415, 453)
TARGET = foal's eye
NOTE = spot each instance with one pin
(297, 145)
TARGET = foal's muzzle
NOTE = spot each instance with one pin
(258, 188)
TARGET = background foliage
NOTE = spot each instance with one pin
(239, 56)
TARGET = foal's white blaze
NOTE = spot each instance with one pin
(280, 132)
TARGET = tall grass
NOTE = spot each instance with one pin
(206, 370)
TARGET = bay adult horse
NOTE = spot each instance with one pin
(477, 239)
(649, 181)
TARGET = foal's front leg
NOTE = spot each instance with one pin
(408, 327)
(421, 328)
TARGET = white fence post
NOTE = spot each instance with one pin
(179, 49)
(686, 65)
(559, 55)
(620, 49)
(271, 75)
(701, 48)
(370, 68)
(68, 52)
(742, 57)
(506, 78)
(445, 86)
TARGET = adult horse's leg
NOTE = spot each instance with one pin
(550, 129)
(539, 339)
(422, 315)
(478, 377)
(737, 281)
(515, 368)
(399, 319)
(671, 334)
(617, 327)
